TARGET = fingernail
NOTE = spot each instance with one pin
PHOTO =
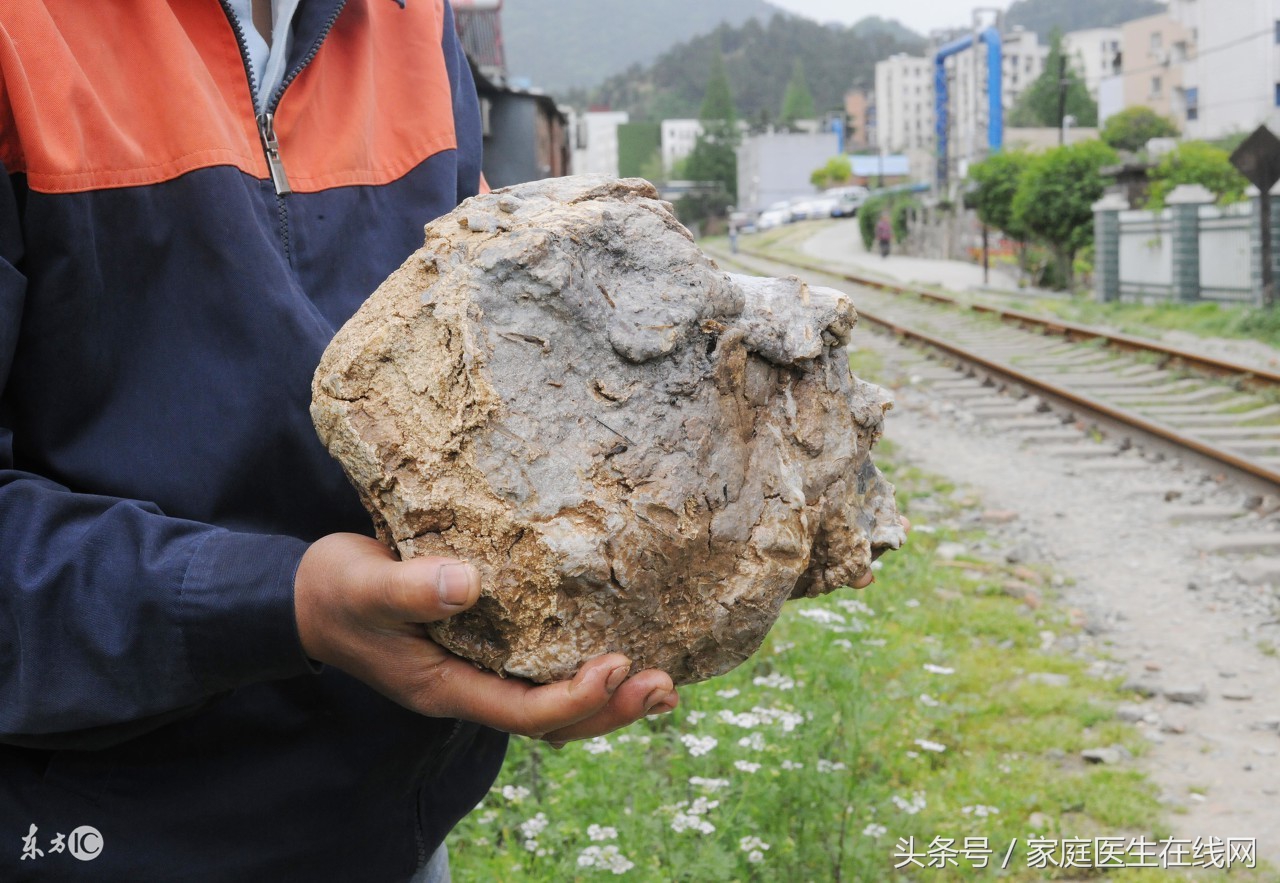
(454, 582)
(656, 698)
(616, 677)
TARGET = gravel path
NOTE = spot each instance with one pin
(1172, 620)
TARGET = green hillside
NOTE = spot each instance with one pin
(759, 58)
(566, 44)
(1042, 16)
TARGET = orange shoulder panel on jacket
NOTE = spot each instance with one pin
(122, 93)
(134, 92)
(376, 101)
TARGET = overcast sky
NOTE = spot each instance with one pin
(919, 15)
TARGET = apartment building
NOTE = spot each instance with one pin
(1094, 54)
(678, 139)
(1230, 74)
(1153, 53)
(904, 104)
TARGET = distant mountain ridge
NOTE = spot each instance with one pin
(576, 44)
(1042, 16)
(759, 59)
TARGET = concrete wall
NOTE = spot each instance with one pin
(776, 167)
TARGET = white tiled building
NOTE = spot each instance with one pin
(595, 141)
(678, 139)
(904, 104)
(1230, 77)
(1093, 53)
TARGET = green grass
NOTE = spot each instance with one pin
(825, 746)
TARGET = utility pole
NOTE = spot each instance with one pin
(1063, 83)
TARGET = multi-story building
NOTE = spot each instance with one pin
(1229, 78)
(904, 103)
(1153, 53)
(1095, 55)
(857, 108)
(595, 141)
(678, 139)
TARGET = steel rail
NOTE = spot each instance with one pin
(1008, 373)
(1246, 376)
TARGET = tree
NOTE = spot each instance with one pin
(1196, 162)
(1133, 127)
(797, 103)
(838, 170)
(714, 158)
(995, 181)
(1055, 197)
(1039, 105)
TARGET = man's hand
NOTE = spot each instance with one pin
(360, 609)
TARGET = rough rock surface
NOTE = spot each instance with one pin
(638, 451)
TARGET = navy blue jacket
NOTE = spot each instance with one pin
(163, 303)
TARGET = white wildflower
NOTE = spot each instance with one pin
(598, 832)
(754, 847)
(755, 742)
(911, 807)
(487, 816)
(598, 745)
(775, 680)
(913, 754)
(606, 858)
(929, 701)
(980, 811)
(912, 602)
(515, 793)
(938, 669)
(699, 745)
(792, 765)
(874, 830)
(822, 616)
(695, 717)
(746, 766)
(535, 826)
(843, 643)
(688, 821)
(830, 766)
(708, 784)
(853, 605)
(937, 747)
(745, 720)
(728, 694)
(701, 806)
(875, 642)
(783, 647)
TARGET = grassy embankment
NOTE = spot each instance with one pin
(907, 711)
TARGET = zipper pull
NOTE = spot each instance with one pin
(271, 147)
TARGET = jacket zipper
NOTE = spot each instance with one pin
(266, 119)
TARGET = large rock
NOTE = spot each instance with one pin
(638, 451)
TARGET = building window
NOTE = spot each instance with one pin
(1277, 94)
(1157, 87)
(1278, 31)
(1192, 97)
(1157, 41)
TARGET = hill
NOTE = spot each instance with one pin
(1042, 16)
(567, 44)
(759, 58)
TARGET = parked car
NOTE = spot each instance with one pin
(813, 208)
(774, 216)
(848, 200)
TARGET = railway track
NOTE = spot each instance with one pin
(1133, 390)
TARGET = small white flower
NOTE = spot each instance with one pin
(776, 681)
(487, 816)
(598, 833)
(929, 701)
(875, 642)
(688, 821)
(535, 826)
(727, 694)
(911, 807)
(755, 742)
(783, 647)
(699, 745)
(843, 643)
(980, 811)
(701, 806)
(938, 669)
(746, 766)
(745, 720)
(913, 754)
(708, 784)
(937, 747)
(830, 766)
(598, 745)
(874, 830)
(695, 717)
(912, 602)
(755, 857)
(606, 858)
(515, 793)
(531, 845)
(822, 616)
(854, 606)
(792, 765)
